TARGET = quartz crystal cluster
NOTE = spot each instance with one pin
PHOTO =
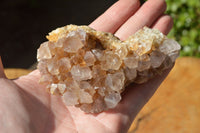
(90, 69)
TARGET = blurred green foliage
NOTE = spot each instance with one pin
(186, 29)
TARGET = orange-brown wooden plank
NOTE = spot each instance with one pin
(13, 73)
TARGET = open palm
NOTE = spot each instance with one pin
(25, 106)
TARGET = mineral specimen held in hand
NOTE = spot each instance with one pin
(90, 69)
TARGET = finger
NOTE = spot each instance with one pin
(164, 24)
(115, 16)
(2, 74)
(145, 16)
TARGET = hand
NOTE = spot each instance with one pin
(25, 106)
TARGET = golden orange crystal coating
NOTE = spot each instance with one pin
(90, 69)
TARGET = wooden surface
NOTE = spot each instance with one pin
(175, 107)
(13, 73)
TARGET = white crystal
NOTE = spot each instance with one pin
(131, 74)
(76, 59)
(44, 52)
(115, 81)
(71, 84)
(169, 46)
(167, 63)
(131, 61)
(173, 55)
(46, 78)
(81, 72)
(112, 99)
(60, 42)
(42, 67)
(157, 58)
(144, 63)
(64, 64)
(98, 53)
(101, 91)
(110, 61)
(89, 58)
(143, 40)
(80, 34)
(85, 85)
(70, 98)
(61, 87)
(53, 68)
(85, 97)
(98, 105)
(97, 71)
(98, 82)
(72, 43)
(53, 89)
(144, 47)
(122, 52)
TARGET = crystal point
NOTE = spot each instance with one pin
(115, 81)
(112, 99)
(89, 58)
(81, 73)
(44, 52)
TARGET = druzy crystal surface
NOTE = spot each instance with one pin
(90, 69)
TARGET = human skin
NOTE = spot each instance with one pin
(25, 106)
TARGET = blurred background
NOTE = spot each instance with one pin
(186, 30)
(25, 23)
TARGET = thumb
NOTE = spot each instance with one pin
(2, 74)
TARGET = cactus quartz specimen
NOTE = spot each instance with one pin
(90, 69)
